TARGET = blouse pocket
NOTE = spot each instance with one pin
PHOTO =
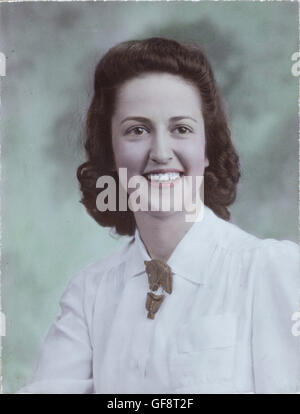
(204, 359)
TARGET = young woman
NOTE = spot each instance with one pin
(184, 306)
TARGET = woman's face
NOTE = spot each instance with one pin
(158, 126)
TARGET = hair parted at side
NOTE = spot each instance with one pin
(126, 61)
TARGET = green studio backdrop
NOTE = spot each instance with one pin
(51, 50)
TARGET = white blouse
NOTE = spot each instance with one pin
(225, 328)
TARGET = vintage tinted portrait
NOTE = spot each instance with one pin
(150, 185)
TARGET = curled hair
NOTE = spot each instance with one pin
(126, 61)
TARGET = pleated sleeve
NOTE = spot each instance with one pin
(275, 345)
(65, 360)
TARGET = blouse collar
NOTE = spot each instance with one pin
(191, 257)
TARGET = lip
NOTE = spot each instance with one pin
(163, 171)
(162, 184)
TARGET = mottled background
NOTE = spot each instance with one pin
(51, 51)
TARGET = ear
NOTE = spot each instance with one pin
(206, 163)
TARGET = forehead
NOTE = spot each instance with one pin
(157, 92)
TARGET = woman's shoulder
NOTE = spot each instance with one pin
(275, 255)
(81, 289)
(274, 264)
(94, 272)
(235, 239)
(277, 274)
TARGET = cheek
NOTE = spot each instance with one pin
(193, 157)
(126, 156)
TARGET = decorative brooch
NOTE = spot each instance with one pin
(159, 275)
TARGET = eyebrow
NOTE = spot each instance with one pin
(143, 119)
(135, 118)
(178, 118)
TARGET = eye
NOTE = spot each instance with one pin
(138, 130)
(182, 129)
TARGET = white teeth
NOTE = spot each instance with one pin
(163, 177)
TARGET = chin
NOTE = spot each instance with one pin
(161, 214)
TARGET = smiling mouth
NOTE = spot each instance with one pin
(163, 178)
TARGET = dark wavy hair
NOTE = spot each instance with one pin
(126, 61)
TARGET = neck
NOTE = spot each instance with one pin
(161, 234)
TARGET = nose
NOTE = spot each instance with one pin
(161, 151)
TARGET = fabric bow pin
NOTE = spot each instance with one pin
(159, 275)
